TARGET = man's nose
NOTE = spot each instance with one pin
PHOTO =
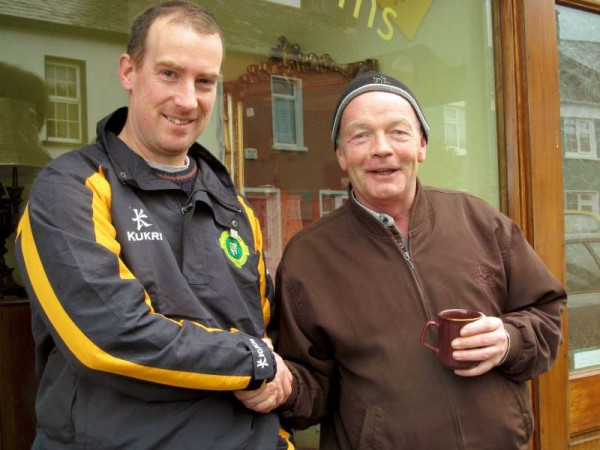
(185, 97)
(381, 145)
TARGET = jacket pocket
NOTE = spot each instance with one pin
(55, 400)
(370, 434)
(521, 395)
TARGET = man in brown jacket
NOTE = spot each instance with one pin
(356, 288)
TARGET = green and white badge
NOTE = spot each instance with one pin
(234, 247)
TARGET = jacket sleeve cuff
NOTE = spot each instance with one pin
(515, 342)
(291, 400)
(263, 363)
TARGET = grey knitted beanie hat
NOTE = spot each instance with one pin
(374, 81)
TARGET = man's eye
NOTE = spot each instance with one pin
(206, 82)
(168, 73)
(400, 134)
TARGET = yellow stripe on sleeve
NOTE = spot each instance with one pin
(254, 222)
(84, 349)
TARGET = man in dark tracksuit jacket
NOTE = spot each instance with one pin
(148, 287)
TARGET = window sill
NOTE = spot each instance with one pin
(578, 156)
(289, 147)
(54, 142)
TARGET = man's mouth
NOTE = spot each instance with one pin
(383, 171)
(177, 121)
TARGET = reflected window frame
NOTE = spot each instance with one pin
(586, 201)
(291, 122)
(66, 127)
(579, 138)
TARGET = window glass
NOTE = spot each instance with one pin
(279, 128)
(579, 56)
(287, 62)
(286, 98)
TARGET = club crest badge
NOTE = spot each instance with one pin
(234, 248)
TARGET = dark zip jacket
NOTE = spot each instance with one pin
(354, 299)
(148, 305)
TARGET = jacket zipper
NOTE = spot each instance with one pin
(403, 247)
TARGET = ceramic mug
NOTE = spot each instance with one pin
(448, 326)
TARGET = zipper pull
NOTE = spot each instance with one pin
(407, 258)
(186, 208)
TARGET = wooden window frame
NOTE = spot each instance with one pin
(530, 155)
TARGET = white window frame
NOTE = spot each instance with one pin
(330, 200)
(77, 99)
(271, 224)
(454, 116)
(584, 130)
(583, 204)
(296, 98)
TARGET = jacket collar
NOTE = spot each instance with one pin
(419, 209)
(133, 170)
(417, 213)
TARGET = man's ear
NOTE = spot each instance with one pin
(422, 149)
(126, 71)
(341, 157)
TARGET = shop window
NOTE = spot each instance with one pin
(441, 50)
(580, 138)
(288, 126)
(66, 109)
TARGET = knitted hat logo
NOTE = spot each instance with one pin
(381, 79)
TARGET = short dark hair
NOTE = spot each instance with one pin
(182, 12)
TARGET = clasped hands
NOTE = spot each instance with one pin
(270, 395)
(484, 340)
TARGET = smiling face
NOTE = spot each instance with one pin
(380, 145)
(171, 92)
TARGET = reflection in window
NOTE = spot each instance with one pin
(288, 131)
(65, 86)
(441, 49)
(582, 201)
(266, 202)
(579, 138)
(455, 128)
(583, 286)
(330, 200)
(578, 49)
(583, 272)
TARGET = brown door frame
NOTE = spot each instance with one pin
(531, 171)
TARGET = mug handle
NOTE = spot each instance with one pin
(424, 343)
